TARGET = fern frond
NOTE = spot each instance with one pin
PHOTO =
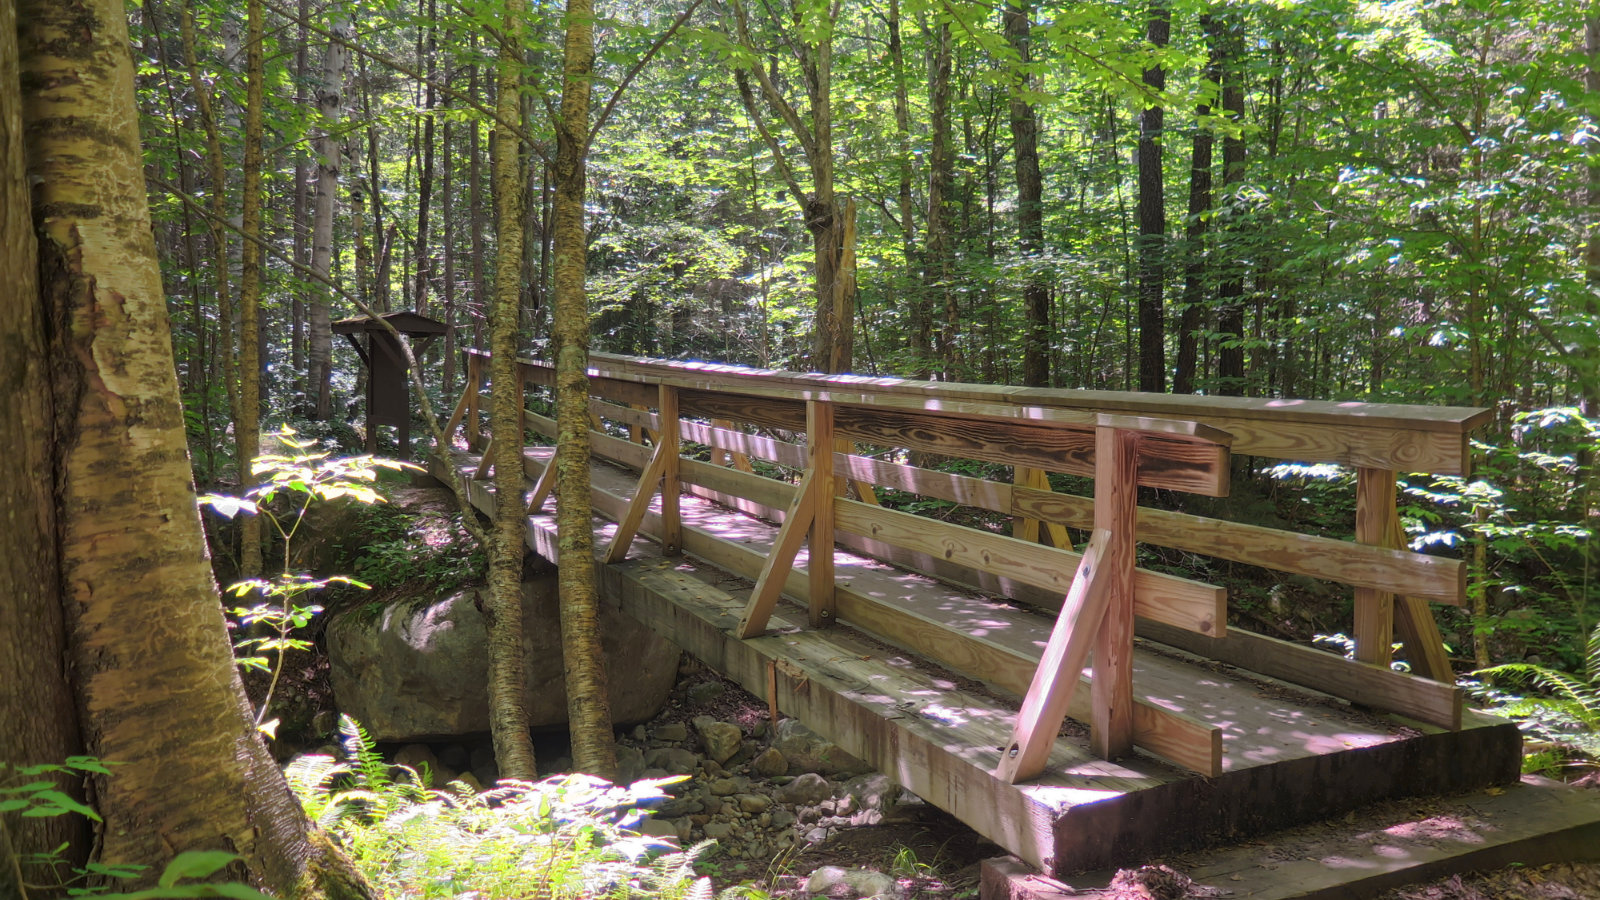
(1592, 659)
(370, 768)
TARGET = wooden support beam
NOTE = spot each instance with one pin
(1374, 608)
(1166, 598)
(628, 523)
(720, 455)
(543, 486)
(775, 571)
(746, 445)
(1024, 528)
(1115, 506)
(460, 411)
(1436, 578)
(863, 489)
(1434, 702)
(1178, 738)
(486, 463)
(474, 397)
(1054, 682)
(1056, 531)
(1418, 630)
(819, 467)
(667, 443)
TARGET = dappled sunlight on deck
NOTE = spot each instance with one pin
(949, 655)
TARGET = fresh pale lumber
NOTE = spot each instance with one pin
(1391, 436)
(1115, 503)
(667, 444)
(628, 523)
(1361, 565)
(1044, 706)
(823, 603)
(1187, 604)
(775, 571)
(1374, 608)
(1434, 702)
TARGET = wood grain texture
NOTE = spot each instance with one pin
(1434, 702)
(819, 468)
(542, 487)
(789, 415)
(1437, 578)
(628, 524)
(1117, 461)
(1393, 436)
(1174, 465)
(775, 571)
(744, 445)
(666, 439)
(1166, 598)
(1044, 706)
(1374, 609)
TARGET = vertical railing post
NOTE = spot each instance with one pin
(474, 396)
(522, 407)
(1116, 492)
(1022, 527)
(667, 444)
(1374, 609)
(819, 463)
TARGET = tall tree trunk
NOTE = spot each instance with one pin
(217, 166)
(1196, 227)
(588, 703)
(475, 215)
(920, 317)
(448, 294)
(1230, 293)
(38, 720)
(330, 106)
(302, 199)
(419, 301)
(1153, 215)
(1030, 200)
(247, 427)
(508, 713)
(381, 239)
(157, 693)
(831, 223)
(940, 271)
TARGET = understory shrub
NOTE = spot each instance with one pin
(569, 836)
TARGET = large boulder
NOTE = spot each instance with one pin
(418, 667)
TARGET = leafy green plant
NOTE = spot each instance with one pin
(290, 484)
(37, 795)
(433, 549)
(567, 836)
(1569, 714)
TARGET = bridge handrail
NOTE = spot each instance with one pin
(1036, 433)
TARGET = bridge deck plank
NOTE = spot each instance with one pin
(939, 735)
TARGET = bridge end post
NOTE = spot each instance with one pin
(819, 464)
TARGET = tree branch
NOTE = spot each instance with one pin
(441, 442)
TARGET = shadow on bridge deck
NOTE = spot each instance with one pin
(1289, 755)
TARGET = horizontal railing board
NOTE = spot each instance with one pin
(1433, 702)
(1392, 436)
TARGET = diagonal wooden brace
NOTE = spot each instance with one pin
(543, 486)
(628, 525)
(1056, 679)
(775, 571)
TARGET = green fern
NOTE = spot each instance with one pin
(566, 837)
(1574, 698)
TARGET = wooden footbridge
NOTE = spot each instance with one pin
(1073, 706)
